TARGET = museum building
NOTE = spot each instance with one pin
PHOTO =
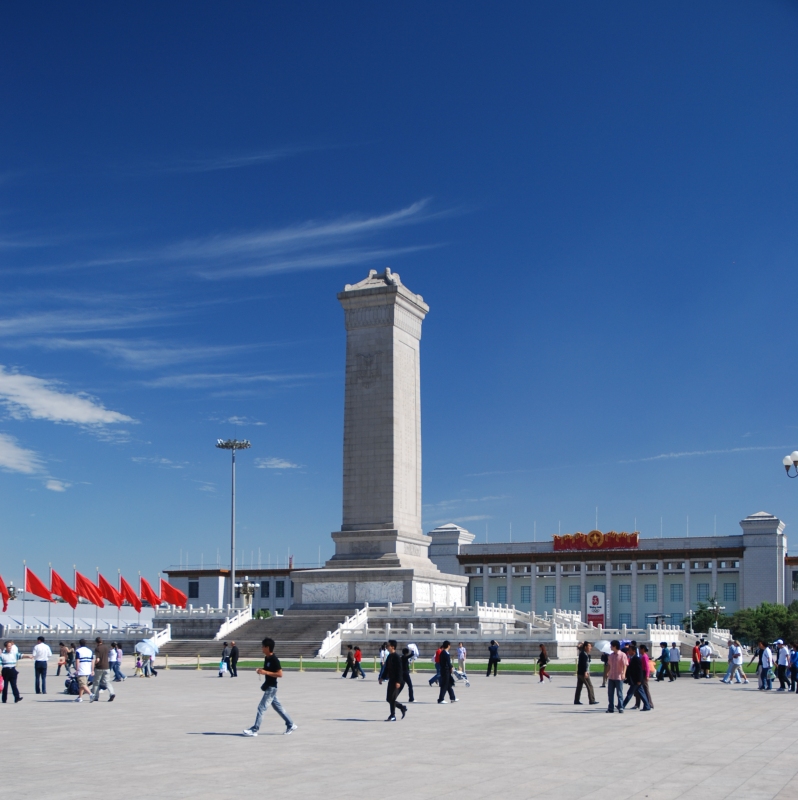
(643, 580)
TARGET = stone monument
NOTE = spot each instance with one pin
(380, 552)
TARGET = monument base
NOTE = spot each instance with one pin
(349, 588)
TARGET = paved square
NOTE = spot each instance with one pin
(178, 735)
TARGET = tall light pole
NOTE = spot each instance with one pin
(233, 445)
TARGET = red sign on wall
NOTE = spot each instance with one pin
(596, 540)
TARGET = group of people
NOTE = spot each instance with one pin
(784, 660)
(229, 662)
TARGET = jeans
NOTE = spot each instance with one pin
(10, 679)
(638, 690)
(767, 679)
(794, 677)
(102, 680)
(358, 669)
(615, 688)
(437, 677)
(40, 668)
(270, 699)
(117, 668)
(406, 681)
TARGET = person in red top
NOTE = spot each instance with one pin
(436, 678)
(697, 660)
(358, 668)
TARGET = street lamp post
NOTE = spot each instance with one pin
(791, 461)
(233, 445)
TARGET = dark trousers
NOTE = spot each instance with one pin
(794, 676)
(229, 666)
(350, 665)
(233, 668)
(584, 680)
(492, 662)
(664, 671)
(782, 673)
(58, 671)
(40, 668)
(407, 682)
(675, 669)
(446, 686)
(638, 691)
(10, 679)
(391, 695)
(696, 669)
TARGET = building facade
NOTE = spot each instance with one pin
(642, 580)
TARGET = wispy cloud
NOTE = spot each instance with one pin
(275, 463)
(201, 380)
(14, 458)
(231, 161)
(54, 322)
(443, 505)
(696, 453)
(165, 463)
(472, 518)
(236, 420)
(28, 397)
(206, 486)
(56, 486)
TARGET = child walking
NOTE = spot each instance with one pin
(543, 659)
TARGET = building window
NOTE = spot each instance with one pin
(477, 594)
(573, 594)
(598, 587)
(676, 619)
(702, 591)
(702, 565)
(549, 594)
(625, 619)
(625, 593)
(279, 610)
(193, 590)
(677, 592)
(729, 591)
(546, 568)
(501, 594)
(238, 592)
(650, 593)
(795, 580)
(621, 567)
(265, 586)
(596, 567)
(526, 594)
(280, 586)
(292, 588)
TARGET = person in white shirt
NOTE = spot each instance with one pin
(41, 653)
(706, 654)
(782, 662)
(414, 654)
(766, 676)
(735, 669)
(84, 662)
(8, 659)
(461, 657)
(675, 656)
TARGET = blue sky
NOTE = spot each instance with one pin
(598, 202)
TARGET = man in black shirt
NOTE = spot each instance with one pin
(233, 660)
(634, 674)
(407, 658)
(446, 674)
(392, 675)
(583, 676)
(271, 671)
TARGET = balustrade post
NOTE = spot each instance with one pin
(390, 608)
(409, 630)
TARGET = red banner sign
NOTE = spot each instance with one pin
(596, 540)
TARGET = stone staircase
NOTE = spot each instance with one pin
(296, 633)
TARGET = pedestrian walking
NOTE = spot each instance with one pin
(233, 660)
(676, 657)
(358, 664)
(392, 675)
(605, 669)
(767, 667)
(224, 664)
(493, 657)
(384, 652)
(583, 675)
(696, 660)
(782, 664)
(543, 659)
(794, 667)
(447, 679)
(70, 662)
(706, 656)
(461, 658)
(63, 652)
(8, 659)
(119, 676)
(635, 673)
(735, 668)
(647, 664)
(436, 678)
(407, 660)
(271, 671)
(84, 663)
(350, 662)
(618, 662)
(41, 654)
(102, 671)
(664, 663)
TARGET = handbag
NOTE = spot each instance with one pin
(222, 666)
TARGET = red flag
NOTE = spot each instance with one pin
(60, 587)
(148, 593)
(172, 595)
(4, 595)
(35, 586)
(87, 590)
(128, 594)
(109, 593)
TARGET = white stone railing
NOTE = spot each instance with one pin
(201, 612)
(142, 631)
(160, 638)
(234, 622)
(351, 625)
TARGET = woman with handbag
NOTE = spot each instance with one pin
(543, 659)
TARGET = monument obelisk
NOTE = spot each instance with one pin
(380, 551)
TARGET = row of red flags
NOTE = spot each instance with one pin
(96, 593)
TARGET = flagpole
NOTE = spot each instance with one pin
(50, 563)
(119, 589)
(97, 608)
(24, 586)
(75, 585)
(139, 613)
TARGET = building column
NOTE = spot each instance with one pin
(740, 584)
(510, 584)
(713, 589)
(686, 587)
(608, 596)
(534, 588)
(558, 586)
(635, 623)
(583, 587)
(485, 583)
(661, 588)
